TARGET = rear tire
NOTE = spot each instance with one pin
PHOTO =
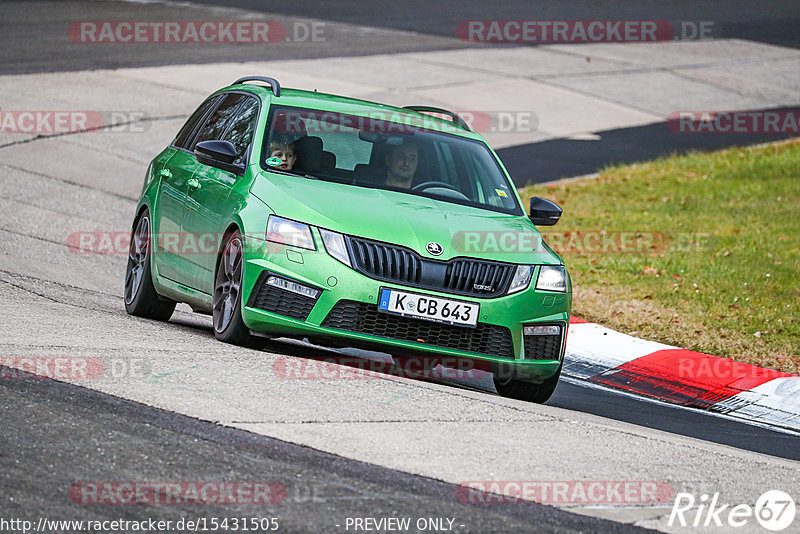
(526, 391)
(227, 306)
(141, 298)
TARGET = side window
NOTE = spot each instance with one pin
(492, 192)
(240, 131)
(214, 126)
(185, 135)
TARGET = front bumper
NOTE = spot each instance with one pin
(345, 313)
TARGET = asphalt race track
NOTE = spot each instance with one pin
(771, 21)
(321, 489)
(175, 405)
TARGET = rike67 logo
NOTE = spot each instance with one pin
(774, 510)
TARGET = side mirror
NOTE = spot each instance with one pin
(544, 212)
(220, 154)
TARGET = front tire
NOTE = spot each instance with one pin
(526, 391)
(227, 306)
(141, 298)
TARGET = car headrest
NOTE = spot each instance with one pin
(309, 153)
(328, 160)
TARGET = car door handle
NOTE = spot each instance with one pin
(166, 173)
(193, 183)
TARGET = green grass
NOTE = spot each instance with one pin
(728, 280)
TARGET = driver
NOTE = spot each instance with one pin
(401, 164)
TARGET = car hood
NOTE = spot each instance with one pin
(403, 219)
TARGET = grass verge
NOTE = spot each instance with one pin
(701, 251)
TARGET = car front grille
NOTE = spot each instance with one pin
(542, 347)
(462, 276)
(385, 261)
(362, 318)
(279, 301)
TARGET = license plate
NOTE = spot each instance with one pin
(436, 309)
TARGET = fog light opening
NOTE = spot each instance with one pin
(542, 330)
(294, 287)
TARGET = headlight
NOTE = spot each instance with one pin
(522, 277)
(552, 278)
(334, 244)
(280, 230)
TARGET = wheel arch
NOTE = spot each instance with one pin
(140, 211)
(232, 227)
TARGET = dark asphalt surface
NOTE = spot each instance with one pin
(34, 33)
(546, 161)
(615, 405)
(692, 423)
(35, 37)
(55, 435)
(768, 21)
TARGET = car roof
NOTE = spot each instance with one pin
(354, 106)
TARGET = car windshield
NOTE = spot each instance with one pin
(398, 154)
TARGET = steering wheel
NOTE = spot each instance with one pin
(452, 190)
(428, 185)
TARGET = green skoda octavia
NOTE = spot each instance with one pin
(289, 213)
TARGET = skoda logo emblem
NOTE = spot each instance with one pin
(434, 248)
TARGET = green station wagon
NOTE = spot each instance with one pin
(289, 213)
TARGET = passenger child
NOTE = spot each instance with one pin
(285, 152)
